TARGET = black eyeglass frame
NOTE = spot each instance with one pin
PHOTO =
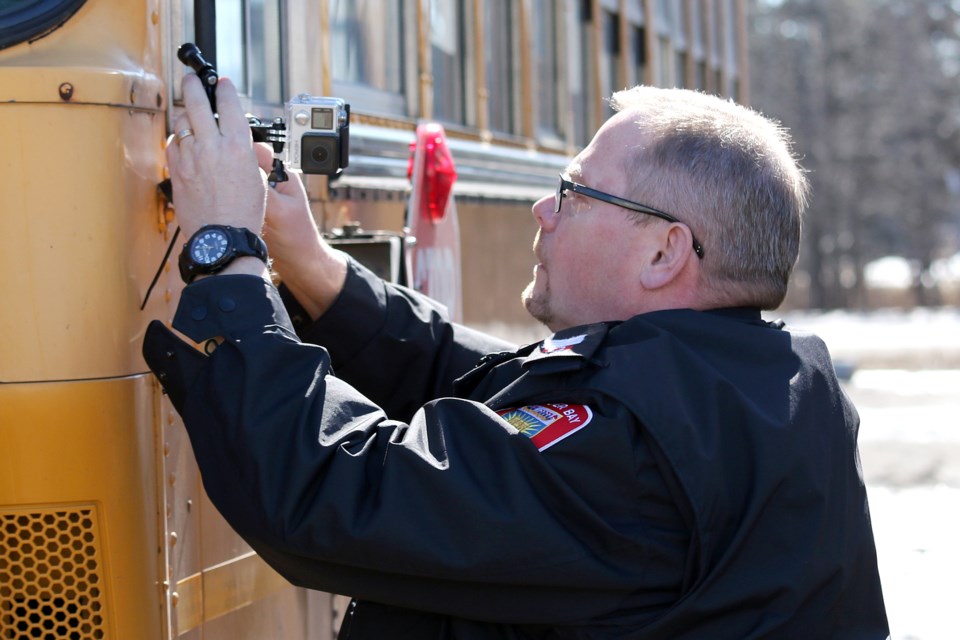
(569, 185)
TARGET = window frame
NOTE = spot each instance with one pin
(182, 19)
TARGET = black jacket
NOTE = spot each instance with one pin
(678, 475)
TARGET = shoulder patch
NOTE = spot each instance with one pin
(548, 424)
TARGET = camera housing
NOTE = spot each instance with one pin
(318, 134)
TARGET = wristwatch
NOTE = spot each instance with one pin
(215, 246)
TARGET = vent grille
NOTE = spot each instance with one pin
(51, 585)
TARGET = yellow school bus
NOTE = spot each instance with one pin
(105, 530)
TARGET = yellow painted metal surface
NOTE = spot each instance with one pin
(81, 224)
(105, 530)
(78, 507)
(83, 115)
(102, 34)
(217, 586)
(225, 588)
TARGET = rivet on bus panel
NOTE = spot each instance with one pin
(66, 91)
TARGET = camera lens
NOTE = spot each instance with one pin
(320, 154)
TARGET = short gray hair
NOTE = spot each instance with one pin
(730, 173)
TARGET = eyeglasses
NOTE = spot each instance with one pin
(568, 185)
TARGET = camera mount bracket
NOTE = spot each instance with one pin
(274, 134)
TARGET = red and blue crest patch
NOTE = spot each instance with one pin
(548, 424)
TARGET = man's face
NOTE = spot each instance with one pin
(585, 272)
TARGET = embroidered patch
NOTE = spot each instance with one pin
(553, 345)
(548, 424)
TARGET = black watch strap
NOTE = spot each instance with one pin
(240, 242)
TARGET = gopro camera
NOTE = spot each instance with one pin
(318, 134)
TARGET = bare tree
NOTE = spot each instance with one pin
(868, 88)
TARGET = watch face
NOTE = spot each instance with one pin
(209, 246)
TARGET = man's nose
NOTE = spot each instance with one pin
(543, 212)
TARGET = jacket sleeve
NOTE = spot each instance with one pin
(453, 512)
(394, 344)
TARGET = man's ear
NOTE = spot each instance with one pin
(674, 251)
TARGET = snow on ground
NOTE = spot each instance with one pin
(910, 449)
(892, 338)
(917, 530)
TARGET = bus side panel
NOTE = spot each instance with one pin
(81, 220)
(217, 587)
(78, 507)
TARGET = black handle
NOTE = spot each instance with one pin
(189, 54)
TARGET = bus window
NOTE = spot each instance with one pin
(230, 41)
(367, 53)
(544, 34)
(264, 45)
(680, 45)
(664, 31)
(501, 64)
(583, 75)
(610, 60)
(448, 57)
(714, 81)
(638, 44)
(730, 48)
(636, 49)
(25, 20)
(698, 47)
(248, 46)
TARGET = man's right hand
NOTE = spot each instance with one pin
(312, 269)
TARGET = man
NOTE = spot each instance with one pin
(665, 465)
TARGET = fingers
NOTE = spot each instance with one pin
(197, 105)
(214, 173)
(183, 133)
(173, 151)
(294, 184)
(264, 155)
(181, 125)
(233, 119)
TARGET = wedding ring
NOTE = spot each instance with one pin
(183, 134)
